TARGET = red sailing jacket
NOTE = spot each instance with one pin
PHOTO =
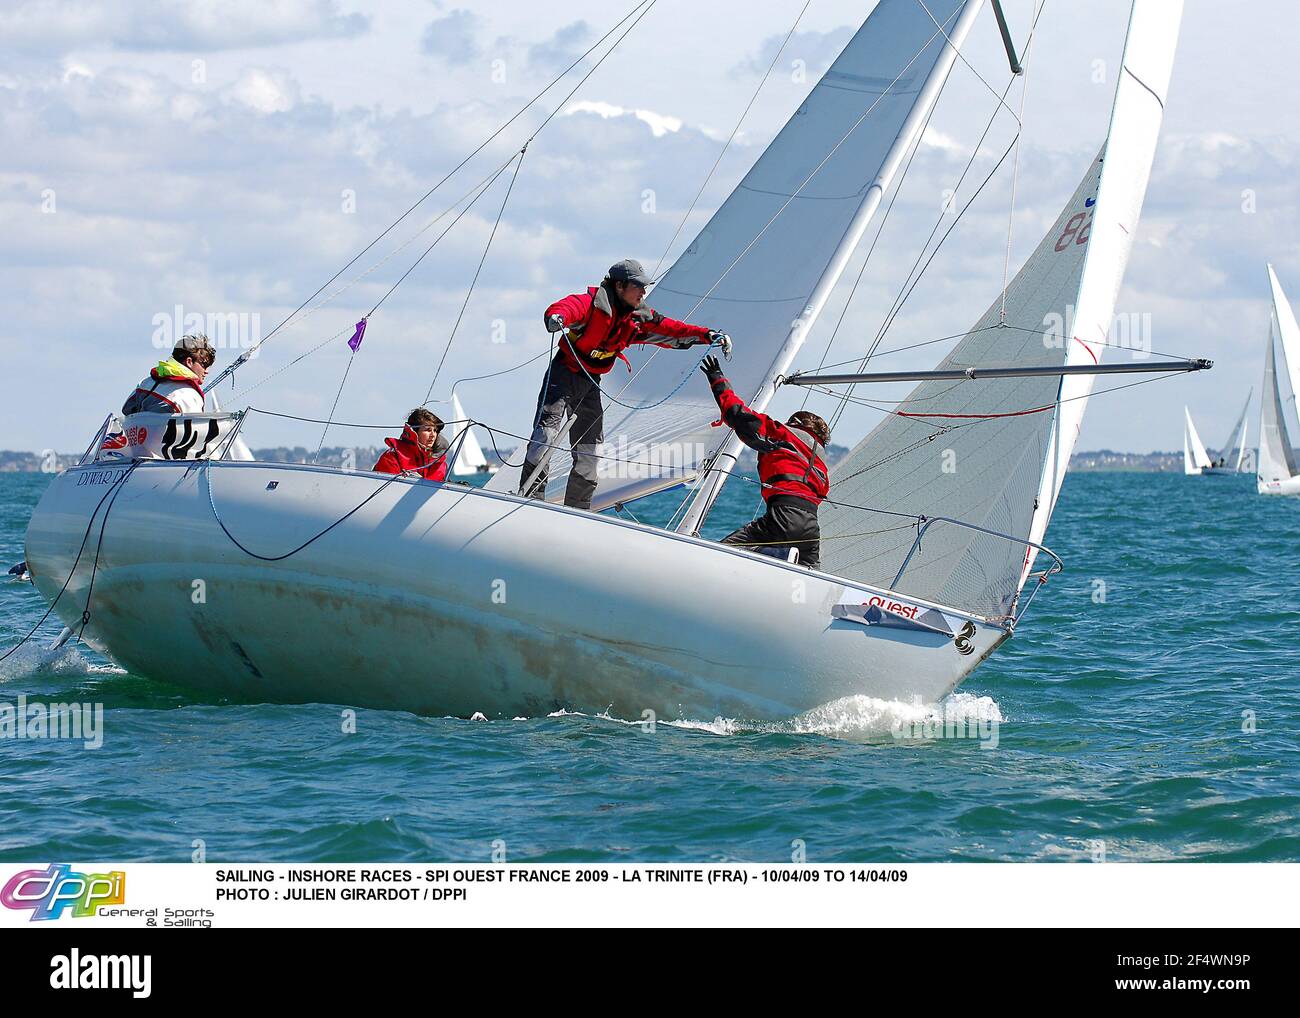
(600, 337)
(789, 461)
(405, 454)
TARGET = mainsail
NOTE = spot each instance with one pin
(763, 265)
(1195, 456)
(993, 453)
(1277, 460)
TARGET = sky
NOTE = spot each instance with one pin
(225, 159)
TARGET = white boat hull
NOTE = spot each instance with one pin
(1286, 486)
(444, 599)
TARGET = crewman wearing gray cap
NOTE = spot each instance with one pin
(175, 386)
(595, 328)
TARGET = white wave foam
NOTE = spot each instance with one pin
(855, 718)
(868, 717)
(35, 661)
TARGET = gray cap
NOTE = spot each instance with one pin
(629, 270)
(195, 342)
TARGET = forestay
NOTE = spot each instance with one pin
(753, 269)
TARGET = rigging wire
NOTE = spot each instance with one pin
(644, 7)
(731, 137)
(907, 290)
(366, 317)
(474, 282)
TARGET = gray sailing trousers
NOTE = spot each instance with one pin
(565, 393)
(790, 522)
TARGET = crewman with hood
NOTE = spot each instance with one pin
(175, 386)
(790, 468)
(596, 327)
(421, 449)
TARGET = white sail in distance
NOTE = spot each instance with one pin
(1195, 456)
(763, 265)
(993, 453)
(469, 457)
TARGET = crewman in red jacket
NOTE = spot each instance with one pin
(421, 449)
(595, 327)
(790, 468)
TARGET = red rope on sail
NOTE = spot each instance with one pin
(983, 417)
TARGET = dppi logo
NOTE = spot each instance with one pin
(49, 891)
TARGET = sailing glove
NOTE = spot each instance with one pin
(711, 368)
(721, 339)
(554, 323)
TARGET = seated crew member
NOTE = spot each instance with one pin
(175, 386)
(790, 467)
(421, 449)
(602, 323)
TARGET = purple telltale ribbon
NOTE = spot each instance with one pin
(355, 341)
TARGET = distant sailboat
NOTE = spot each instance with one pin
(469, 458)
(1277, 473)
(1197, 460)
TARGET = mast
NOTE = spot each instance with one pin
(711, 481)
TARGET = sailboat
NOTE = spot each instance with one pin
(1276, 470)
(469, 453)
(1197, 459)
(322, 584)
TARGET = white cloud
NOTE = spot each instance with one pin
(659, 123)
(265, 91)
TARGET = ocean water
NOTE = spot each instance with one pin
(1148, 708)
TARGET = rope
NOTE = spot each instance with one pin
(686, 377)
(75, 562)
(99, 545)
(207, 476)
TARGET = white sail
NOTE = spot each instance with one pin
(993, 453)
(1198, 458)
(1288, 333)
(763, 265)
(1276, 463)
(470, 458)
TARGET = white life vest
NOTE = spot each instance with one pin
(177, 436)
